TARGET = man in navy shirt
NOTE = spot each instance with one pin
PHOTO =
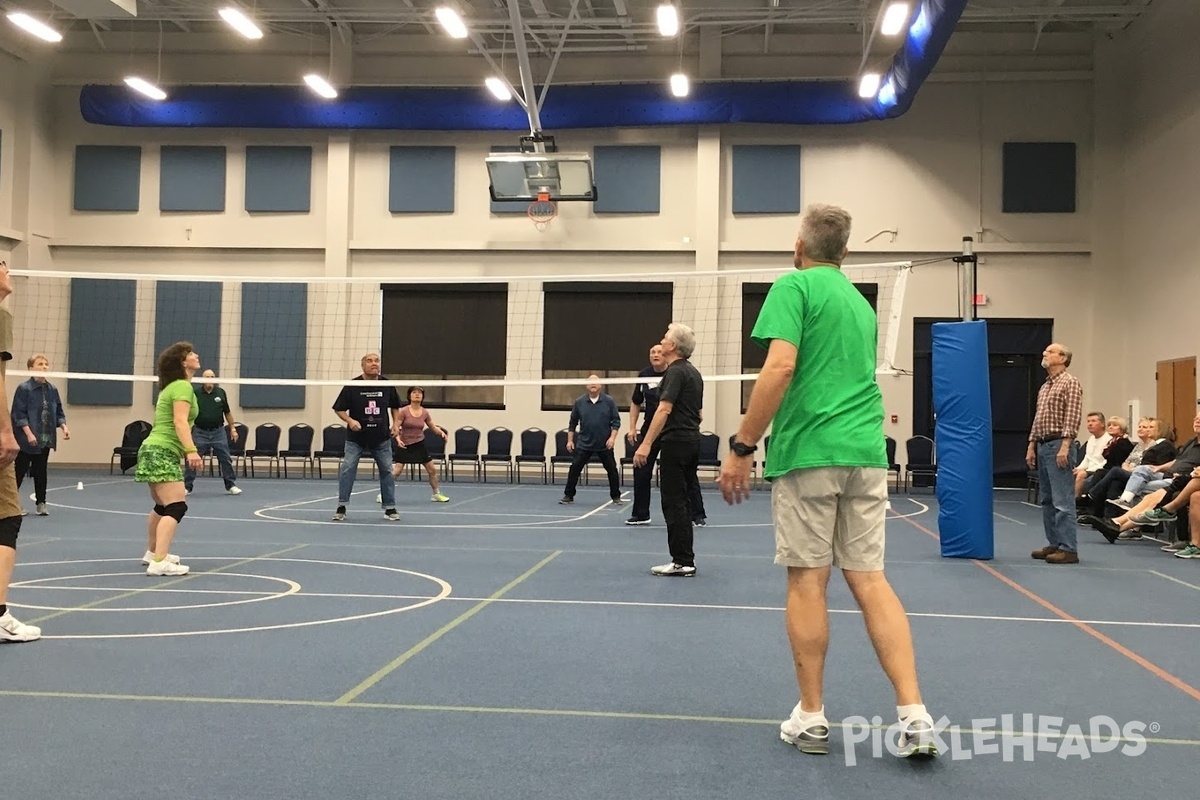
(372, 416)
(599, 422)
(644, 403)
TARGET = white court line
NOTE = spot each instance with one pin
(1174, 579)
(1031, 505)
(164, 590)
(1010, 519)
(462, 503)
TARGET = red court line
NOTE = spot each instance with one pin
(1142, 662)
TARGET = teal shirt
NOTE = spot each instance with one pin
(832, 411)
(163, 433)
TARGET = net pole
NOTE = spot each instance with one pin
(967, 277)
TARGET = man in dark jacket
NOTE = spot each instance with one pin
(599, 422)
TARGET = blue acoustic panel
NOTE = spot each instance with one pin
(421, 180)
(627, 179)
(189, 311)
(191, 179)
(962, 405)
(107, 178)
(103, 320)
(274, 342)
(766, 179)
(507, 208)
(278, 179)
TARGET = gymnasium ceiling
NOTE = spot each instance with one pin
(381, 42)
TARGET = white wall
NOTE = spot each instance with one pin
(932, 177)
(1158, 279)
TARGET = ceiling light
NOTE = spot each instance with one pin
(146, 88)
(240, 23)
(320, 86)
(452, 22)
(679, 84)
(869, 85)
(497, 87)
(668, 20)
(894, 19)
(31, 25)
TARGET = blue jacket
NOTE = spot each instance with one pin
(596, 421)
(38, 406)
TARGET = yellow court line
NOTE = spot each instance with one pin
(442, 631)
(544, 712)
(158, 586)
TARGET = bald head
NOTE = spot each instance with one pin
(208, 376)
(593, 385)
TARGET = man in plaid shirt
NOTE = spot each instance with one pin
(1055, 426)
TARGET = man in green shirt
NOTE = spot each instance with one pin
(209, 432)
(828, 470)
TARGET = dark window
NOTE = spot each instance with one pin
(753, 356)
(447, 333)
(604, 328)
(1039, 178)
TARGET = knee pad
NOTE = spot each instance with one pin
(160, 509)
(9, 528)
(175, 510)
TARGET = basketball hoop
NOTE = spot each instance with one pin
(542, 211)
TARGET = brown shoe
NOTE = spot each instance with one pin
(1063, 557)
(1044, 553)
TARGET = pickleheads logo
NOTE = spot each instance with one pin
(1009, 737)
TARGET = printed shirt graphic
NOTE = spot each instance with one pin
(370, 406)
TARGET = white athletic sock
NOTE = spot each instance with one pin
(809, 718)
(916, 711)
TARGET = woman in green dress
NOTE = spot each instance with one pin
(159, 457)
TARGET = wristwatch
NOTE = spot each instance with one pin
(739, 449)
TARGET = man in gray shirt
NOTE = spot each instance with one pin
(599, 422)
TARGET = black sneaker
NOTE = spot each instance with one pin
(340, 514)
(701, 522)
(566, 501)
(616, 501)
(391, 514)
(637, 521)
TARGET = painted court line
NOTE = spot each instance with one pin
(349, 696)
(541, 712)
(1174, 579)
(136, 592)
(1008, 519)
(1141, 661)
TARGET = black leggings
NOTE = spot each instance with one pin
(35, 465)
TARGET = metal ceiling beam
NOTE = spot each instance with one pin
(531, 105)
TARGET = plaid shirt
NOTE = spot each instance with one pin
(1059, 408)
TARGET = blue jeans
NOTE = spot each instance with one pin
(382, 455)
(216, 441)
(1057, 486)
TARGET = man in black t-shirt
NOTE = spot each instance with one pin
(372, 416)
(644, 403)
(676, 429)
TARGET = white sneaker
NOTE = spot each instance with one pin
(13, 630)
(379, 499)
(234, 490)
(165, 568)
(812, 739)
(439, 498)
(917, 738)
(149, 558)
(673, 569)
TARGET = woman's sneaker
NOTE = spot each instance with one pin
(917, 739)
(13, 630)
(812, 738)
(440, 498)
(1191, 551)
(148, 559)
(164, 568)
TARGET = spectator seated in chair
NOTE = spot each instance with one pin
(1114, 455)
(1154, 447)
(1093, 454)
(1146, 479)
(1161, 505)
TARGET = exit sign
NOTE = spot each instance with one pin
(980, 299)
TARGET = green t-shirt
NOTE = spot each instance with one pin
(832, 412)
(163, 432)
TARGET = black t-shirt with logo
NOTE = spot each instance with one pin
(370, 406)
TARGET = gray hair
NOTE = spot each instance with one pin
(683, 337)
(825, 230)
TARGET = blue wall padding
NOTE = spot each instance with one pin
(807, 102)
(963, 406)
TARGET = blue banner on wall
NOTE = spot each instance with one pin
(809, 102)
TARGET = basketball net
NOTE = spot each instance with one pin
(542, 211)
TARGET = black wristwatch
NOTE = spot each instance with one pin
(739, 449)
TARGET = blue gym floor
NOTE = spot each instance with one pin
(504, 646)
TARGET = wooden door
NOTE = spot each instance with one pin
(1176, 395)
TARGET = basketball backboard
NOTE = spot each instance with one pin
(522, 177)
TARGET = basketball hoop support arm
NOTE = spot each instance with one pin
(968, 275)
(531, 102)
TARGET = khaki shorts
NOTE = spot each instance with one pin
(830, 516)
(10, 503)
